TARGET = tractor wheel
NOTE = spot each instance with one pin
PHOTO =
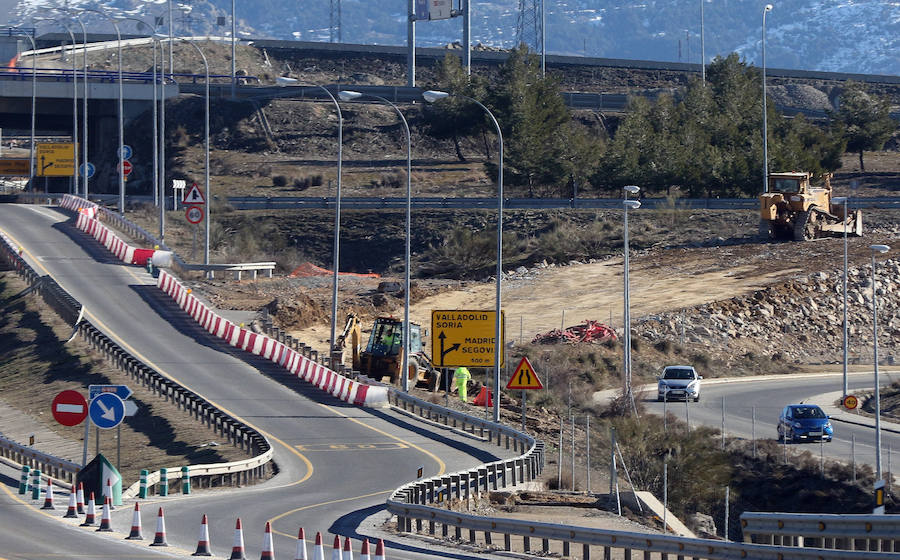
(804, 226)
(765, 230)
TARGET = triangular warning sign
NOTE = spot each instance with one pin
(524, 377)
(194, 196)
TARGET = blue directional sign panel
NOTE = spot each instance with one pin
(126, 152)
(122, 391)
(106, 410)
(91, 169)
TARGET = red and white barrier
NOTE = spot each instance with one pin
(364, 553)
(348, 552)
(135, 534)
(159, 538)
(319, 548)
(90, 516)
(268, 552)
(72, 510)
(337, 385)
(301, 545)
(237, 547)
(336, 549)
(203, 540)
(105, 523)
(87, 222)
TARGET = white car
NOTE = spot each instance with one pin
(679, 382)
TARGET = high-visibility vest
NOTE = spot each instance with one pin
(462, 374)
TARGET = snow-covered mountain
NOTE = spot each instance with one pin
(837, 35)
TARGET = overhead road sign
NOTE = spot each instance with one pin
(69, 408)
(524, 377)
(14, 167)
(194, 196)
(122, 391)
(107, 410)
(55, 159)
(465, 338)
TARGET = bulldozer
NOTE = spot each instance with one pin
(381, 356)
(792, 209)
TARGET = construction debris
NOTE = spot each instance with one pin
(589, 332)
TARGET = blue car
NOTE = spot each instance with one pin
(804, 422)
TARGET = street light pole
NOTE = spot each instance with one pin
(34, 105)
(843, 200)
(626, 204)
(702, 47)
(84, 102)
(876, 249)
(404, 360)
(205, 151)
(431, 96)
(766, 10)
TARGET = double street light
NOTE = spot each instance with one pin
(404, 360)
(84, 100)
(431, 96)
(33, 100)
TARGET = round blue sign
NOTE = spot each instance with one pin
(126, 152)
(90, 169)
(106, 410)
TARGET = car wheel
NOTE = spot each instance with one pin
(659, 399)
(697, 398)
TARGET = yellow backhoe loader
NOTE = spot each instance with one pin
(793, 209)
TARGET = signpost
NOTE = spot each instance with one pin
(526, 379)
(465, 338)
(69, 408)
(55, 159)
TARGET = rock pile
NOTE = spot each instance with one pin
(800, 321)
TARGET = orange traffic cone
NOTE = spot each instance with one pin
(483, 395)
(348, 554)
(267, 552)
(89, 518)
(336, 550)
(237, 549)
(319, 548)
(365, 554)
(104, 519)
(301, 546)
(79, 499)
(203, 541)
(379, 550)
(72, 510)
(48, 497)
(135, 534)
(159, 539)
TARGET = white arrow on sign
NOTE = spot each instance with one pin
(108, 413)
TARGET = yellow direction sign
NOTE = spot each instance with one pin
(55, 160)
(14, 167)
(465, 338)
(524, 377)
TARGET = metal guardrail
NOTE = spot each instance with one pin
(234, 430)
(833, 531)
(58, 469)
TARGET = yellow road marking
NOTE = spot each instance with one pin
(311, 506)
(385, 445)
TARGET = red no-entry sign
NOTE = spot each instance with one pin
(69, 408)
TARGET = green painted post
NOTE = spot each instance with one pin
(163, 482)
(185, 480)
(23, 482)
(142, 493)
(36, 484)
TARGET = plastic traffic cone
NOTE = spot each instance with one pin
(104, 519)
(336, 550)
(48, 497)
(79, 499)
(135, 534)
(159, 539)
(267, 552)
(72, 510)
(379, 550)
(301, 545)
(318, 548)
(365, 554)
(348, 554)
(89, 518)
(107, 493)
(203, 541)
(237, 549)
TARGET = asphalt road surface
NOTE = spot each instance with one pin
(318, 486)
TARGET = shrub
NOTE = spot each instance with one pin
(279, 181)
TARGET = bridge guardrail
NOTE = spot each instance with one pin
(834, 531)
(235, 431)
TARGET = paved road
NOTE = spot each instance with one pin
(769, 396)
(317, 488)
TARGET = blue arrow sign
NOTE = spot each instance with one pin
(106, 410)
(121, 391)
(126, 151)
(90, 170)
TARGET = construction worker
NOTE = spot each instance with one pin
(462, 377)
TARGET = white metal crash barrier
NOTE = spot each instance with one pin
(60, 470)
(833, 531)
(271, 349)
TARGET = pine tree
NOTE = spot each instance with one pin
(863, 120)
